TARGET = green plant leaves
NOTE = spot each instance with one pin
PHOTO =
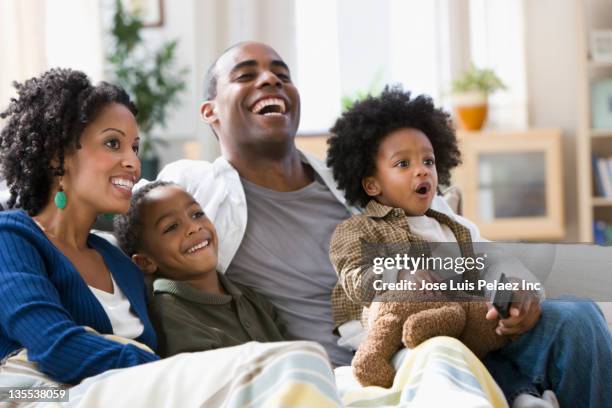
(476, 79)
(149, 77)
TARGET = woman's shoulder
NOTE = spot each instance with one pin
(18, 221)
(15, 215)
(21, 240)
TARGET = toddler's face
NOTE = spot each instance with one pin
(177, 235)
(405, 175)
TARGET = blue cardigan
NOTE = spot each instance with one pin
(44, 304)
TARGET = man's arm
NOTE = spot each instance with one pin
(524, 315)
(525, 310)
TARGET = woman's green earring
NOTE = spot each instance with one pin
(60, 198)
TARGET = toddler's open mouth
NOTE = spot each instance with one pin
(423, 188)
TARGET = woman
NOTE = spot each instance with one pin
(73, 307)
(69, 152)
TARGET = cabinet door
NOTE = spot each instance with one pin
(512, 184)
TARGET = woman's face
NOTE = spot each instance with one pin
(103, 171)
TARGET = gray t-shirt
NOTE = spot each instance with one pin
(284, 256)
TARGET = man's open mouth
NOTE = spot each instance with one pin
(269, 107)
(423, 188)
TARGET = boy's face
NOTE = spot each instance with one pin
(405, 175)
(178, 239)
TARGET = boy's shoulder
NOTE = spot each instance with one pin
(174, 292)
(239, 289)
(166, 306)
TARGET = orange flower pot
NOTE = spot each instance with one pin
(471, 110)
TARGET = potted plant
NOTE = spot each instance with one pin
(470, 93)
(149, 77)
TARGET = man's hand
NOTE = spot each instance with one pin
(525, 313)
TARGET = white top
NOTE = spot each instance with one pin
(430, 229)
(117, 307)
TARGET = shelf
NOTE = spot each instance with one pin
(600, 64)
(590, 15)
(601, 133)
(602, 201)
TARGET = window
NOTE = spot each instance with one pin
(497, 39)
(349, 46)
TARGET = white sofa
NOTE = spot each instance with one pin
(582, 270)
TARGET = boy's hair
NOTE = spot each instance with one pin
(358, 132)
(128, 227)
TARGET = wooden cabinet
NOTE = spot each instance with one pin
(512, 183)
(313, 144)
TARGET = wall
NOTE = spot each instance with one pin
(22, 55)
(552, 83)
(65, 48)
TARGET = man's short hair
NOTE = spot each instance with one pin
(210, 82)
(210, 79)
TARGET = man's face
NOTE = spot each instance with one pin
(256, 102)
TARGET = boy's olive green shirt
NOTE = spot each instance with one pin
(188, 319)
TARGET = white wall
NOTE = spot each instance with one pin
(22, 30)
(73, 36)
(552, 83)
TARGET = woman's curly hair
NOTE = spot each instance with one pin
(128, 227)
(45, 122)
(353, 147)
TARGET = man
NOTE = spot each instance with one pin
(276, 208)
(289, 199)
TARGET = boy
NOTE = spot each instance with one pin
(167, 234)
(388, 154)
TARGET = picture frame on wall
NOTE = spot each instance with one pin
(150, 11)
